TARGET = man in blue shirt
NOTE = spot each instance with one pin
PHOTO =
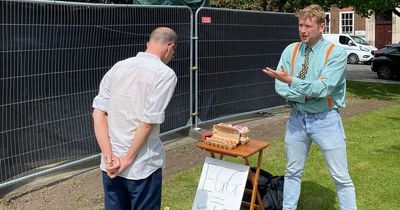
(311, 76)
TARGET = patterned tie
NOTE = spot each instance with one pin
(303, 72)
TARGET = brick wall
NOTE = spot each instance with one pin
(359, 22)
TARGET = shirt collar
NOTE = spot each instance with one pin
(147, 55)
(317, 45)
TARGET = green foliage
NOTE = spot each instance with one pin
(262, 5)
(366, 8)
(362, 7)
(239, 4)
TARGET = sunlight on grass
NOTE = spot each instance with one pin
(373, 153)
(366, 90)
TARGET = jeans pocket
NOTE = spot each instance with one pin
(340, 124)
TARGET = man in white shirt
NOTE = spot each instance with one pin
(127, 114)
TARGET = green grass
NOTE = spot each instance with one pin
(366, 90)
(373, 150)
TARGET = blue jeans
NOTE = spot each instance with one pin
(326, 130)
(123, 194)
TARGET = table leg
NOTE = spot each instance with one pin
(258, 199)
(246, 161)
(212, 154)
(254, 194)
(221, 156)
(251, 179)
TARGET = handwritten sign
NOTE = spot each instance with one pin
(221, 185)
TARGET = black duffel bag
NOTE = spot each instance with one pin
(270, 188)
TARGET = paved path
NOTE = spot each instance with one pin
(361, 72)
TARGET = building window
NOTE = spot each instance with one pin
(381, 17)
(327, 23)
(346, 23)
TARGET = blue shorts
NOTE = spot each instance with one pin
(122, 194)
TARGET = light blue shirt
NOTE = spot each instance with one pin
(333, 84)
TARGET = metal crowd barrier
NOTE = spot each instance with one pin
(53, 56)
(231, 49)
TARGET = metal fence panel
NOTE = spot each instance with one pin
(232, 48)
(53, 56)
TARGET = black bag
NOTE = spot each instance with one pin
(270, 188)
(274, 197)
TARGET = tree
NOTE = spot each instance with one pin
(367, 8)
(364, 8)
(236, 4)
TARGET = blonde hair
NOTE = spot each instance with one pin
(312, 11)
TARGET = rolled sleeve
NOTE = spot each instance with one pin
(157, 102)
(153, 117)
(100, 103)
(101, 100)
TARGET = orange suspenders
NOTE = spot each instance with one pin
(328, 53)
(294, 55)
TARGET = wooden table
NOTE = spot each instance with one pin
(246, 150)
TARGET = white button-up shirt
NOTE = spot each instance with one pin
(136, 90)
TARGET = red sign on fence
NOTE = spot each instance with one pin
(205, 19)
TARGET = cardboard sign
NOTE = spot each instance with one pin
(221, 185)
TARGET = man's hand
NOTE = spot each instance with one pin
(281, 75)
(112, 164)
(124, 162)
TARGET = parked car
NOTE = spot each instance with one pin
(386, 62)
(358, 50)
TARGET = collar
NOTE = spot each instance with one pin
(315, 47)
(148, 55)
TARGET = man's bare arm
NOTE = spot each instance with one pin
(141, 136)
(100, 120)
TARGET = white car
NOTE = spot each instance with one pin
(358, 50)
